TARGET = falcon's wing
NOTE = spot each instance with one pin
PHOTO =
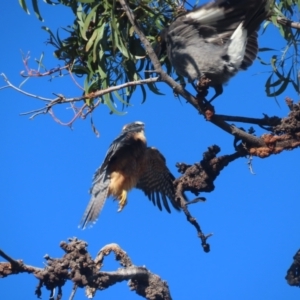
(101, 179)
(156, 180)
(124, 139)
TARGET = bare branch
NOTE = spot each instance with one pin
(15, 266)
(61, 99)
(199, 178)
(21, 91)
(83, 111)
(265, 121)
(78, 266)
(37, 73)
(121, 255)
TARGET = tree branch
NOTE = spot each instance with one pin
(262, 122)
(81, 112)
(78, 266)
(199, 103)
(293, 273)
(200, 177)
(62, 99)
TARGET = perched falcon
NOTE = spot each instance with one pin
(130, 163)
(215, 40)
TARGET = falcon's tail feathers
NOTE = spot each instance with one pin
(99, 193)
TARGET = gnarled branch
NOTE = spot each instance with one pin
(78, 266)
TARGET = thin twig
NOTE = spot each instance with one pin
(62, 99)
(74, 80)
(266, 121)
(74, 289)
(8, 258)
(70, 123)
(23, 92)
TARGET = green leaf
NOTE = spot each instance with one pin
(267, 85)
(86, 1)
(101, 70)
(100, 33)
(24, 6)
(116, 36)
(265, 25)
(276, 83)
(51, 2)
(296, 86)
(51, 33)
(87, 22)
(94, 128)
(80, 70)
(154, 89)
(36, 10)
(40, 62)
(266, 49)
(111, 106)
(91, 41)
(144, 93)
(262, 61)
(116, 93)
(283, 86)
(141, 67)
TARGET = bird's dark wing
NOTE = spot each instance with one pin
(122, 140)
(216, 21)
(225, 15)
(101, 180)
(156, 180)
(251, 51)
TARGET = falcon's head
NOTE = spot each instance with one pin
(134, 127)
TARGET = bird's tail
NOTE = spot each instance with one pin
(99, 191)
(243, 46)
(257, 12)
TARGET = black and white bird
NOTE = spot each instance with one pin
(215, 40)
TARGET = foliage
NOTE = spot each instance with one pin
(285, 65)
(103, 47)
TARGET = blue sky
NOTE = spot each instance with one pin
(46, 171)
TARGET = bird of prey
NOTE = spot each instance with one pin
(130, 163)
(215, 40)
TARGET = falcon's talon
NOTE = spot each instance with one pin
(122, 200)
(196, 200)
